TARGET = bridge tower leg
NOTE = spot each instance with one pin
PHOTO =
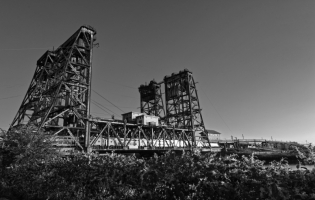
(151, 101)
(182, 103)
(58, 98)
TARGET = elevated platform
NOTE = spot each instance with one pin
(109, 135)
(150, 151)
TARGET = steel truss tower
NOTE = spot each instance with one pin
(151, 101)
(182, 103)
(58, 98)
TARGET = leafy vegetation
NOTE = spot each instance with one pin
(25, 144)
(32, 175)
(306, 155)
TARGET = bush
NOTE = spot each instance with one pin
(306, 155)
(22, 146)
(166, 177)
(36, 172)
(26, 144)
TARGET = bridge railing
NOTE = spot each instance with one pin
(251, 140)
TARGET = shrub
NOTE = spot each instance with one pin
(34, 175)
(166, 177)
(22, 147)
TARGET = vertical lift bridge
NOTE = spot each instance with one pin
(59, 96)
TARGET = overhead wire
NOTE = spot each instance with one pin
(107, 100)
(101, 108)
(132, 107)
(108, 110)
(102, 113)
(217, 111)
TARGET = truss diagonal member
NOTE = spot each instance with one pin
(75, 140)
(151, 143)
(117, 136)
(125, 136)
(165, 140)
(77, 114)
(186, 140)
(74, 98)
(77, 85)
(98, 136)
(141, 130)
(132, 136)
(58, 131)
(56, 116)
(86, 62)
(50, 107)
(73, 69)
(171, 137)
(159, 135)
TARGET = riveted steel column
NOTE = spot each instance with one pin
(88, 125)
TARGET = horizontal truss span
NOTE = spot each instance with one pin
(113, 135)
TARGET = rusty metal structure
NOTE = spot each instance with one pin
(151, 100)
(59, 96)
(182, 103)
(181, 99)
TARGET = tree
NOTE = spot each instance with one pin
(22, 147)
(25, 143)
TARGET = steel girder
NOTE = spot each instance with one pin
(59, 94)
(143, 137)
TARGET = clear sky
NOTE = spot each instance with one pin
(254, 61)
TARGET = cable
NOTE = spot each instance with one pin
(96, 103)
(102, 113)
(101, 108)
(217, 112)
(134, 107)
(107, 100)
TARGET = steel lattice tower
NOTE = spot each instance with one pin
(59, 94)
(182, 103)
(151, 101)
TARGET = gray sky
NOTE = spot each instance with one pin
(253, 60)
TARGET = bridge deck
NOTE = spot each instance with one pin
(147, 151)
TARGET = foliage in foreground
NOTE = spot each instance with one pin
(165, 177)
(32, 175)
(25, 144)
